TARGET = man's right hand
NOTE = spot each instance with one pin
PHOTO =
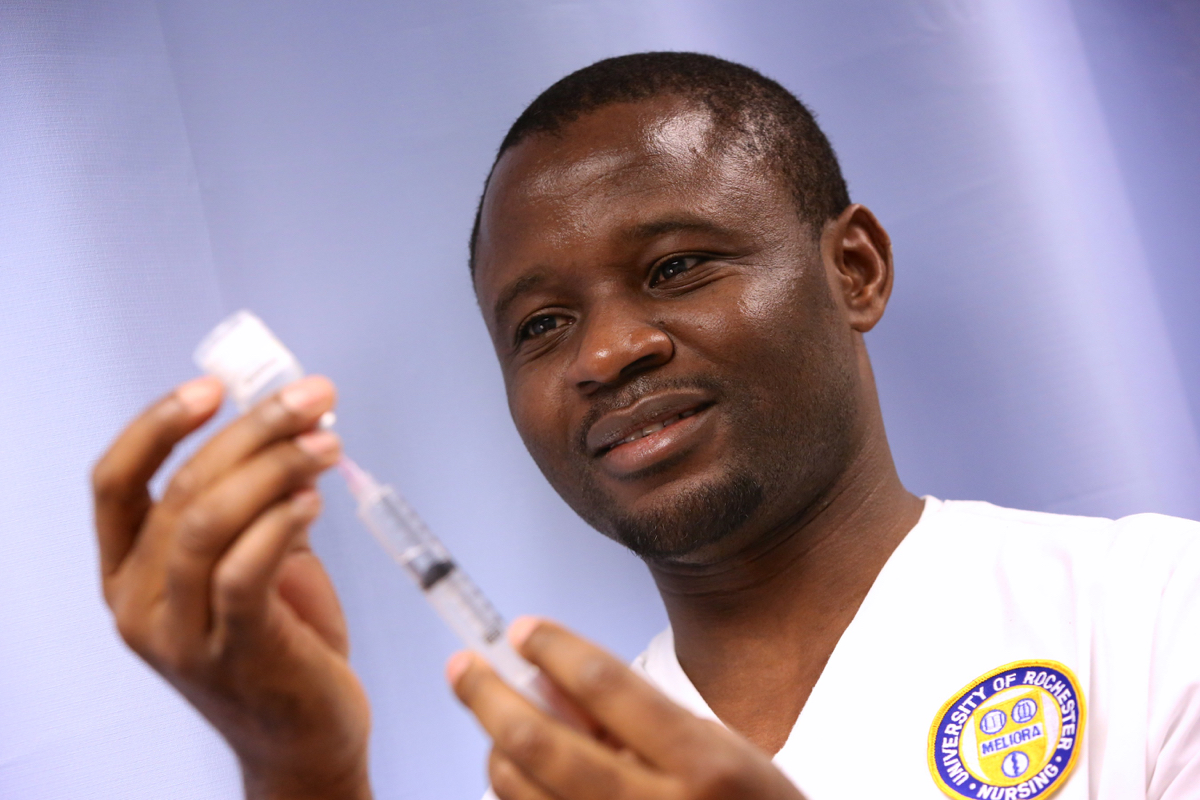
(215, 586)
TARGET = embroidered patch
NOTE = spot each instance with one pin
(1012, 734)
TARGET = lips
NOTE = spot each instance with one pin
(645, 417)
(655, 427)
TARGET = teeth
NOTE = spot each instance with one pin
(655, 428)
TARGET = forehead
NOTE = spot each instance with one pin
(616, 170)
(604, 148)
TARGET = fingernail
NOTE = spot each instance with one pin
(306, 501)
(319, 444)
(457, 665)
(306, 393)
(199, 395)
(521, 629)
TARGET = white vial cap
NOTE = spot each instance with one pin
(248, 358)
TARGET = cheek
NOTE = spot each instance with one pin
(795, 308)
(541, 418)
(761, 324)
(771, 304)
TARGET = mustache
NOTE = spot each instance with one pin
(630, 392)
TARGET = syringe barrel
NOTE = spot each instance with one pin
(470, 615)
(481, 628)
(404, 536)
(450, 591)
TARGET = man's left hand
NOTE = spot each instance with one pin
(643, 747)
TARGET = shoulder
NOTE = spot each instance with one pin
(1148, 536)
(1109, 571)
(989, 513)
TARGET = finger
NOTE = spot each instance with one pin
(628, 707)
(554, 757)
(211, 524)
(120, 477)
(305, 586)
(295, 409)
(244, 575)
(510, 783)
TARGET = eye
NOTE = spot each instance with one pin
(675, 265)
(539, 325)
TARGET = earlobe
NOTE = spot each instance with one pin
(859, 252)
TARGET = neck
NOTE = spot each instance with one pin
(754, 629)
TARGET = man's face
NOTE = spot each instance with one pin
(673, 354)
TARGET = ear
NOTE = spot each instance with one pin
(858, 258)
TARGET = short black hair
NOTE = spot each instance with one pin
(750, 110)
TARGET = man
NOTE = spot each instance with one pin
(677, 288)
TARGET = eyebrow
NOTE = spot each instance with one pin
(514, 290)
(649, 230)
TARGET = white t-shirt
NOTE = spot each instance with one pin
(986, 624)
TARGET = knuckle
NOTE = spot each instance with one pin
(465, 688)
(296, 519)
(234, 590)
(304, 514)
(167, 653)
(299, 464)
(273, 418)
(193, 529)
(503, 776)
(289, 466)
(718, 775)
(159, 647)
(131, 629)
(106, 480)
(607, 783)
(114, 595)
(525, 742)
(184, 485)
(598, 677)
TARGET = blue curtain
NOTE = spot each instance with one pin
(319, 162)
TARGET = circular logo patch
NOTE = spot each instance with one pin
(1012, 734)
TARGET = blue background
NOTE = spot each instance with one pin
(164, 164)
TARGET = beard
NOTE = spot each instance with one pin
(696, 517)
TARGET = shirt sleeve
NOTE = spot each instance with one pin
(1173, 741)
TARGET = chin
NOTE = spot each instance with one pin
(675, 520)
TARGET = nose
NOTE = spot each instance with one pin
(617, 344)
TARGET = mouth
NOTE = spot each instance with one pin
(651, 418)
(653, 427)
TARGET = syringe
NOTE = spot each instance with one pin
(253, 363)
(447, 588)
